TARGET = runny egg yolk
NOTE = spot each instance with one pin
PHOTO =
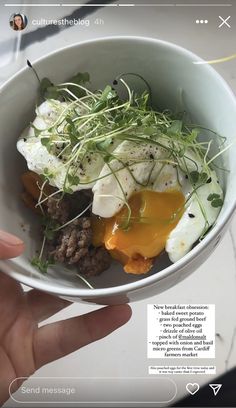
(136, 239)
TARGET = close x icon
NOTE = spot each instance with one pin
(224, 22)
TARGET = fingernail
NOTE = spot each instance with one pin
(9, 239)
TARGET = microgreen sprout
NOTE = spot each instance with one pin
(42, 264)
(215, 199)
(84, 280)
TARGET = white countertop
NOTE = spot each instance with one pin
(124, 353)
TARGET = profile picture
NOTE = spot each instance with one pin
(18, 21)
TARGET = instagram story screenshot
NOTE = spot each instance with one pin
(117, 203)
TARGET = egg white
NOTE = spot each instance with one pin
(38, 158)
(135, 168)
(198, 216)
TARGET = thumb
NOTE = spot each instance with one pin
(10, 246)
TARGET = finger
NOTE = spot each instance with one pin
(10, 246)
(59, 339)
(43, 305)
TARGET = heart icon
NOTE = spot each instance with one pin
(192, 388)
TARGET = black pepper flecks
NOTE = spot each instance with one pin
(191, 215)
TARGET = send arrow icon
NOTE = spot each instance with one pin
(215, 388)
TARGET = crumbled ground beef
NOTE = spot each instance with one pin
(73, 241)
(72, 245)
(58, 209)
(94, 262)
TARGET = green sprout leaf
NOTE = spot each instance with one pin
(98, 106)
(191, 137)
(47, 175)
(107, 158)
(44, 85)
(142, 101)
(176, 127)
(49, 234)
(215, 199)
(41, 264)
(104, 145)
(218, 202)
(149, 130)
(108, 93)
(52, 92)
(212, 197)
(49, 225)
(203, 178)
(72, 131)
(49, 91)
(73, 180)
(79, 79)
(106, 97)
(45, 141)
(194, 177)
(68, 190)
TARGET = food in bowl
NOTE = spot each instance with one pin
(114, 178)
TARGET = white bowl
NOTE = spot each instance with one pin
(168, 69)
